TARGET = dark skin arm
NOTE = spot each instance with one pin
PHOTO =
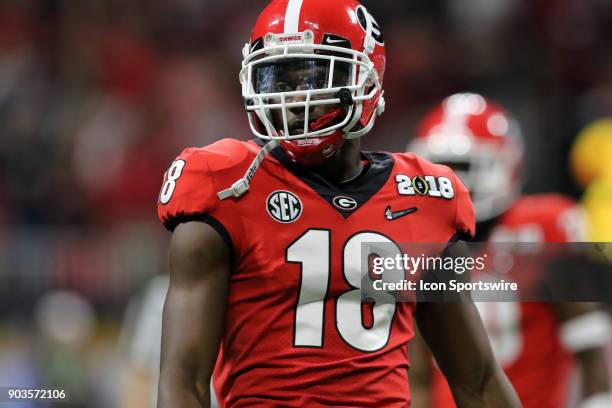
(420, 372)
(457, 339)
(194, 315)
(593, 363)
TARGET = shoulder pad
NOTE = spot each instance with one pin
(193, 179)
(412, 165)
(417, 164)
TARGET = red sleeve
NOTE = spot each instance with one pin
(460, 212)
(560, 218)
(464, 218)
(187, 192)
(190, 187)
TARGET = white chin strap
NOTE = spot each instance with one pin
(241, 186)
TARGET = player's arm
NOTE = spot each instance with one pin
(457, 339)
(585, 328)
(193, 315)
(420, 372)
(585, 331)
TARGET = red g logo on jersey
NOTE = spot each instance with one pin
(283, 206)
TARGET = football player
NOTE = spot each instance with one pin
(536, 343)
(266, 250)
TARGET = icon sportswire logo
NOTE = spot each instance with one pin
(394, 215)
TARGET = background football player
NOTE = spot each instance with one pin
(265, 274)
(536, 343)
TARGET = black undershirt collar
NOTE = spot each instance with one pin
(358, 190)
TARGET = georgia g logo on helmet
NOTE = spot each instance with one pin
(368, 23)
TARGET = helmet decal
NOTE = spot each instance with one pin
(365, 20)
(257, 45)
(336, 41)
(292, 16)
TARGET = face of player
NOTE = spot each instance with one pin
(299, 75)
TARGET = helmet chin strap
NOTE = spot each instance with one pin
(242, 185)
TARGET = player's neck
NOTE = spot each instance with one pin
(345, 165)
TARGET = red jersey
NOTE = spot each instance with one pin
(525, 336)
(297, 333)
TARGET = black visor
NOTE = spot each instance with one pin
(299, 74)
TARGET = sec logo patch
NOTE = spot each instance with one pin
(284, 206)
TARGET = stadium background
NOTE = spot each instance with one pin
(98, 96)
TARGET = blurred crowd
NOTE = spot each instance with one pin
(98, 96)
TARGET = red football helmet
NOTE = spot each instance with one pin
(482, 142)
(303, 56)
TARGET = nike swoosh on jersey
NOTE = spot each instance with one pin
(394, 215)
